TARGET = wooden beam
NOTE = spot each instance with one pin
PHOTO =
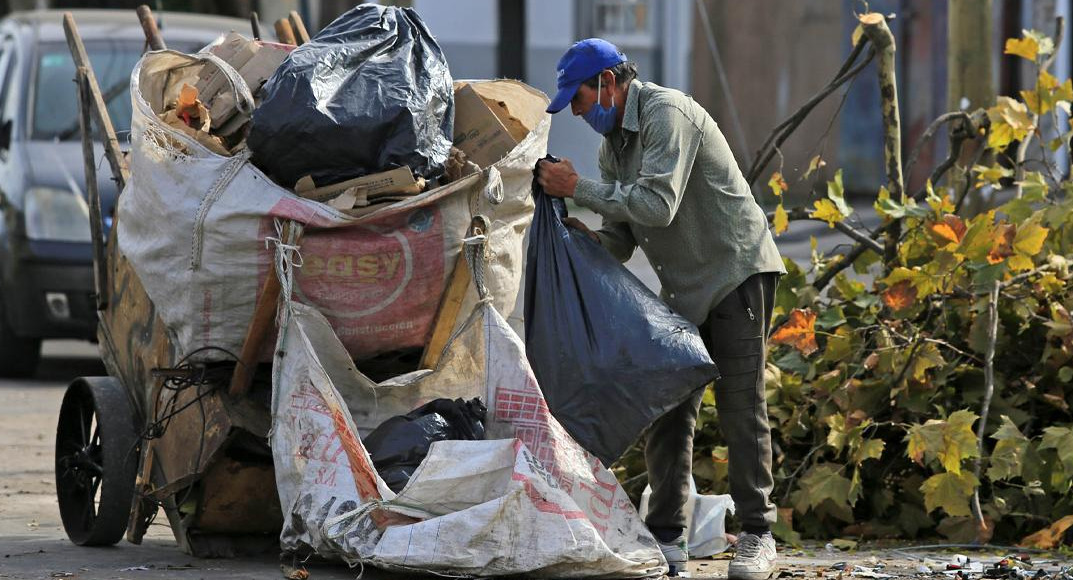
(451, 302)
(116, 160)
(89, 163)
(264, 315)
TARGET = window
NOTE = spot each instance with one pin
(55, 106)
(630, 23)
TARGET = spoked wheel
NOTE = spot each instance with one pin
(96, 461)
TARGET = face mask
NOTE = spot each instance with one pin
(600, 118)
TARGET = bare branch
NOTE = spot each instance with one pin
(800, 213)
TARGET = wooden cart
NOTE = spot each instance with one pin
(194, 445)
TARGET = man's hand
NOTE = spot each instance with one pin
(578, 225)
(557, 179)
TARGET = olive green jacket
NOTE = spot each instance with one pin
(670, 184)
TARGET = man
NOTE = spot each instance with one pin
(669, 184)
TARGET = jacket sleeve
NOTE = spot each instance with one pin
(669, 142)
(615, 236)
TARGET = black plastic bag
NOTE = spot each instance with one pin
(609, 355)
(399, 444)
(369, 93)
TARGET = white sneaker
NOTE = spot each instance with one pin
(676, 552)
(755, 558)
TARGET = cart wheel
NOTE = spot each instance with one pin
(96, 461)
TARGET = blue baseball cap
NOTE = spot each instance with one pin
(584, 60)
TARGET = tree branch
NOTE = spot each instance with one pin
(800, 213)
(929, 133)
(787, 127)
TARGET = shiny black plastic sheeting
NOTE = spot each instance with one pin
(369, 93)
(399, 444)
(609, 355)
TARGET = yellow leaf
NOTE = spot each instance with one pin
(950, 491)
(1046, 81)
(1019, 263)
(920, 280)
(827, 211)
(1000, 136)
(990, 175)
(1029, 239)
(798, 332)
(1064, 92)
(814, 165)
(777, 183)
(959, 442)
(1010, 122)
(1023, 47)
(782, 222)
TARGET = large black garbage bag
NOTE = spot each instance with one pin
(609, 355)
(399, 444)
(368, 93)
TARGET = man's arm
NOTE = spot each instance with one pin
(614, 235)
(671, 144)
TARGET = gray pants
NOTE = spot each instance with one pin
(736, 336)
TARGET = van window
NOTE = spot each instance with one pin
(55, 106)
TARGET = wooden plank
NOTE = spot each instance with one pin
(264, 317)
(299, 28)
(89, 163)
(120, 169)
(451, 303)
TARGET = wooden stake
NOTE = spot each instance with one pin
(89, 163)
(116, 160)
(284, 32)
(299, 28)
(255, 25)
(152, 33)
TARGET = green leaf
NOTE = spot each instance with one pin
(949, 491)
(949, 441)
(836, 193)
(1008, 456)
(927, 357)
(1061, 440)
(870, 449)
(822, 483)
(1034, 186)
(831, 318)
(840, 345)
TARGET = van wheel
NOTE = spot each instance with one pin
(18, 355)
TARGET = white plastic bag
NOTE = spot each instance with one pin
(707, 520)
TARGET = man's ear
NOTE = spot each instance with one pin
(608, 78)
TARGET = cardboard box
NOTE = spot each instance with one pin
(478, 131)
